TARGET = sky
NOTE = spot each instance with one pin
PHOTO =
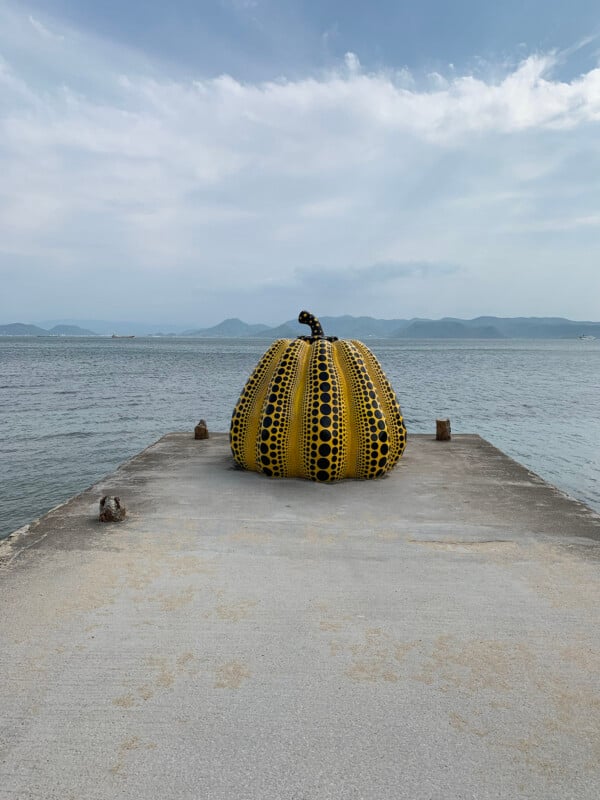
(191, 161)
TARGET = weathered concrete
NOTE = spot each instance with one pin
(433, 634)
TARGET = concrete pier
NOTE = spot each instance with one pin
(433, 634)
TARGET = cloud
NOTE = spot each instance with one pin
(246, 186)
(43, 30)
(347, 290)
(352, 63)
(371, 278)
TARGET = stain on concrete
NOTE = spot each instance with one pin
(377, 658)
(235, 612)
(176, 600)
(146, 691)
(184, 659)
(124, 701)
(128, 745)
(317, 536)
(331, 625)
(164, 672)
(547, 704)
(231, 675)
(564, 577)
(336, 647)
(475, 665)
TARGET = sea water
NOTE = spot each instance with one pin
(73, 409)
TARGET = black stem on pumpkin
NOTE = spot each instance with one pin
(316, 330)
(306, 318)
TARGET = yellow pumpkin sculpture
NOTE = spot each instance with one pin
(320, 408)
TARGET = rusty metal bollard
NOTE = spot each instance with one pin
(201, 430)
(111, 509)
(442, 430)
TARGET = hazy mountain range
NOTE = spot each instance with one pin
(24, 329)
(447, 328)
(346, 327)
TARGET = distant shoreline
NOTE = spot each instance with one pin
(348, 327)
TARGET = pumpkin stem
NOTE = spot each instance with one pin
(316, 331)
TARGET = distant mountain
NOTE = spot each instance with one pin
(229, 329)
(346, 327)
(447, 329)
(285, 331)
(70, 330)
(21, 329)
(538, 327)
(105, 327)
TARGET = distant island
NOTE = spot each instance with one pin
(350, 327)
(347, 327)
(22, 329)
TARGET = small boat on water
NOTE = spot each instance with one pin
(116, 336)
(587, 337)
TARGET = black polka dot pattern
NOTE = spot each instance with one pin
(247, 413)
(324, 429)
(389, 403)
(319, 409)
(273, 441)
(368, 421)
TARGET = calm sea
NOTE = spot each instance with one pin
(71, 409)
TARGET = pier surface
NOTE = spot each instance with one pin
(430, 635)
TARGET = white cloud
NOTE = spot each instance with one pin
(43, 30)
(239, 182)
(352, 63)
